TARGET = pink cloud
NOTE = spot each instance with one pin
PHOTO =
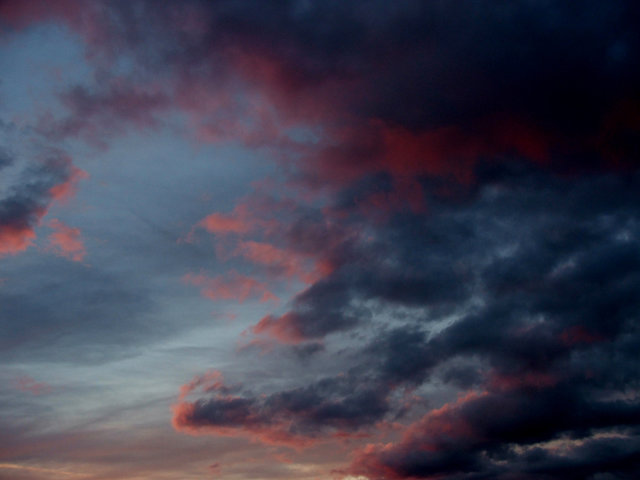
(286, 418)
(439, 430)
(253, 214)
(220, 223)
(285, 329)
(232, 286)
(350, 152)
(64, 191)
(238, 416)
(207, 382)
(85, 18)
(17, 233)
(66, 241)
(279, 261)
(24, 12)
(185, 421)
(16, 238)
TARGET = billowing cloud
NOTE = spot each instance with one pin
(28, 200)
(219, 223)
(66, 241)
(233, 286)
(450, 221)
(513, 318)
(332, 407)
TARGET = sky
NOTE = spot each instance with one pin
(319, 240)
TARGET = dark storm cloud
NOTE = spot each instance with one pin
(408, 263)
(458, 79)
(485, 230)
(336, 303)
(402, 355)
(475, 438)
(519, 252)
(552, 340)
(565, 72)
(542, 329)
(614, 457)
(423, 53)
(334, 406)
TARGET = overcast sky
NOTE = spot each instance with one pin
(343, 240)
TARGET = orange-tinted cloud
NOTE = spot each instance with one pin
(16, 238)
(67, 241)
(436, 432)
(232, 286)
(286, 328)
(288, 263)
(23, 209)
(297, 418)
(253, 214)
(207, 382)
(270, 255)
(349, 153)
(237, 415)
(185, 419)
(220, 223)
(67, 189)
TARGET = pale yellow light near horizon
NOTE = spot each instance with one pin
(29, 468)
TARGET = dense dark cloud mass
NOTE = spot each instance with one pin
(459, 79)
(501, 144)
(443, 266)
(549, 319)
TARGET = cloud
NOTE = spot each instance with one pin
(278, 261)
(66, 241)
(232, 286)
(516, 306)
(475, 435)
(22, 14)
(553, 305)
(384, 88)
(507, 237)
(28, 200)
(299, 417)
(219, 223)
(62, 192)
(97, 115)
(320, 310)
(459, 182)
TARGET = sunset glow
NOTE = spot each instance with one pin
(319, 240)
